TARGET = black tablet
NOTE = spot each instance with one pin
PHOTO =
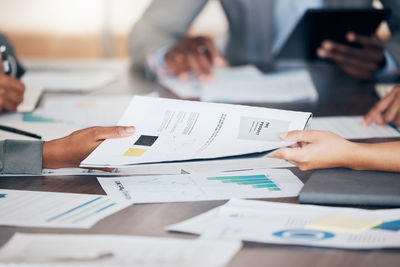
(318, 25)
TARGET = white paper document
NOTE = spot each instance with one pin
(267, 183)
(246, 84)
(142, 169)
(350, 127)
(280, 87)
(113, 250)
(234, 164)
(222, 77)
(281, 223)
(172, 130)
(83, 111)
(58, 210)
(69, 80)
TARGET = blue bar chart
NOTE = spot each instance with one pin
(256, 181)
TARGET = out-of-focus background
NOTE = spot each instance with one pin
(84, 29)
(87, 28)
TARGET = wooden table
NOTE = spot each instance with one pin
(339, 95)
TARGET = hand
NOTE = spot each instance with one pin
(315, 150)
(387, 110)
(69, 151)
(11, 93)
(360, 63)
(197, 55)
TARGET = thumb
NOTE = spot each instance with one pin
(298, 136)
(113, 132)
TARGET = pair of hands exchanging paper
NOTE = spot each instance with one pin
(198, 55)
(319, 149)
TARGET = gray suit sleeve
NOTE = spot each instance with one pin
(163, 23)
(393, 45)
(21, 157)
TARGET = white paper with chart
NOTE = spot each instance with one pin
(172, 130)
(282, 223)
(267, 183)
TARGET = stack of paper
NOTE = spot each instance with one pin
(267, 183)
(171, 130)
(109, 250)
(61, 210)
(281, 223)
(246, 85)
(350, 127)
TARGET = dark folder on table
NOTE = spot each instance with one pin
(352, 188)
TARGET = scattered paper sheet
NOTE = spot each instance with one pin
(142, 169)
(234, 164)
(267, 183)
(350, 127)
(281, 223)
(113, 250)
(60, 210)
(67, 80)
(246, 84)
(172, 130)
(223, 77)
(83, 111)
(280, 87)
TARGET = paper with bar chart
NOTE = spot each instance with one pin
(266, 183)
(173, 130)
(59, 210)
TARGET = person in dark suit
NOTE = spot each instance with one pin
(257, 31)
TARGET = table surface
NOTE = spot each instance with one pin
(338, 95)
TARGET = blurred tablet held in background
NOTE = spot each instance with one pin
(318, 25)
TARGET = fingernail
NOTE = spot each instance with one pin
(351, 37)
(130, 130)
(327, 45)
(321, 53)
(283, 136)
(219, 62)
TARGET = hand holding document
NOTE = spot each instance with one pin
(246, 84)
(172, 130)
(350, 127)
(58, 210)
(281, 223)
(271, 183)
(112, 250)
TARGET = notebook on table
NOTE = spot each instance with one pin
(352, 188)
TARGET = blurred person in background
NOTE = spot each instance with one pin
(257, 31)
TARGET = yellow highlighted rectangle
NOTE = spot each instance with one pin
(134, 152)
(345, 224)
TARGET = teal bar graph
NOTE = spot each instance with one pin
(256, 181)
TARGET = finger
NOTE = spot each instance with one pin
(12, 84)
(362, 75)
(366, 41)
(101, 133)
(362, 54)
(10, 105)
(298, 136)
(396, 121)
(14, 96)
(391, 113)
(194, 66)
(205, 64)
(216, 56)
(379, 107)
